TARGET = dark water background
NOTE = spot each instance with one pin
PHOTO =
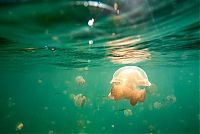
(45, 44)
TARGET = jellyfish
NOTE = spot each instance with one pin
(19, 126)
(127, 82)
(40, 81)
(171, 98)
(88, 121)
(81, 123)
(157, 105)
(151, 128)
(79, 100)
(50, 131)
(103, 128)
(80, 80)
(128, 112)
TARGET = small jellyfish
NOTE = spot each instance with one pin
(53, 122)
(64, 108)
(82, 132)
(81, 123)
(55, 38)
(126, 84)
(79, 100)
(158, 131)
(88, 122)
(130, 123)
(11, 102)
(64, 92)
(103, 128)
(80, 80)
(128, 112)
(157, 105)
(39, 81)
(46, 108)
(171, 98)
(151, 128)
(50, 131)
(19, 126)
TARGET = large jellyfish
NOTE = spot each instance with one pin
(127, 82)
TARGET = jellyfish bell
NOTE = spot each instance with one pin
(126, 82)
(132, 74)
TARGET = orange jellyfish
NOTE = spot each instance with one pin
(127, 82)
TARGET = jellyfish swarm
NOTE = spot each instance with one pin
(126, 83)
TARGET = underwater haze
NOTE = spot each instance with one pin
(58, 57)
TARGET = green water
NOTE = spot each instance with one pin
(45, 45)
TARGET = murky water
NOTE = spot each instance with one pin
(57, 59)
